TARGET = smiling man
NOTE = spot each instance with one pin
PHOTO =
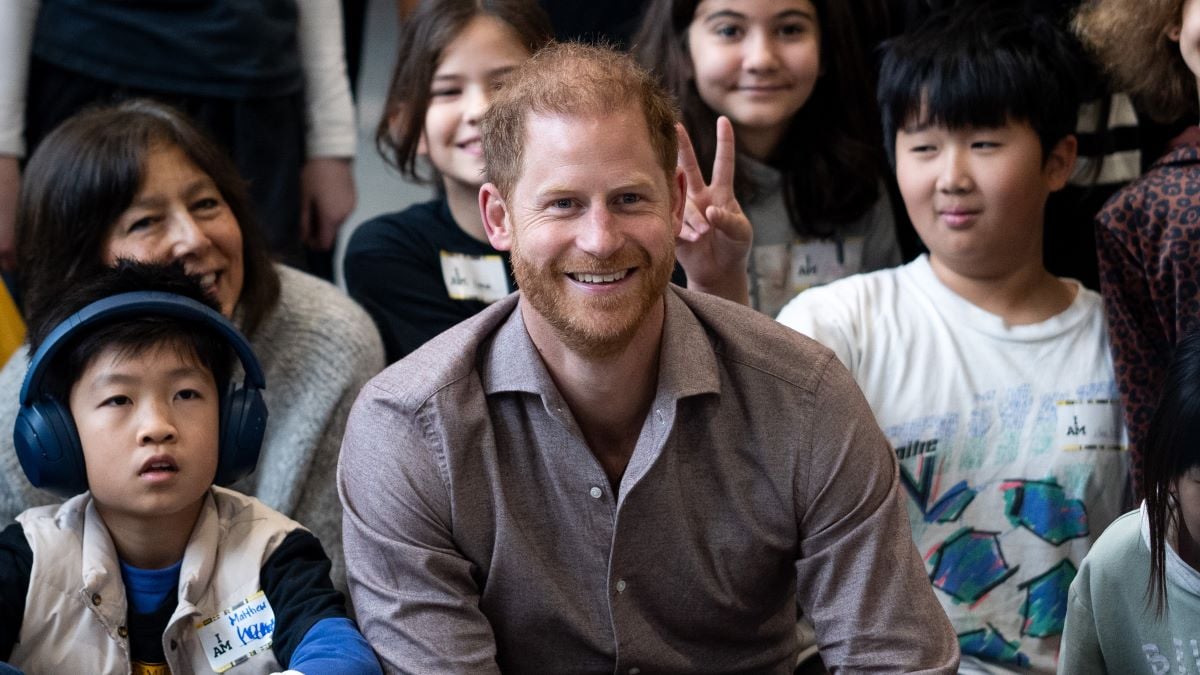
(605, 473)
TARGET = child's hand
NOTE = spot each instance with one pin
(714, 245)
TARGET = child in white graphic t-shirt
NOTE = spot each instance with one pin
(991, 377)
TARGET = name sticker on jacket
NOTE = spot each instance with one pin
(471, 277)
(1093, 424)
(237, 633)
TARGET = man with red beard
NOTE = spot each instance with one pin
(605, 473)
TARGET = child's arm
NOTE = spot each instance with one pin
(1142, 337)
(16, 561)
(714, 245)
(312, 632)
(1080, 648)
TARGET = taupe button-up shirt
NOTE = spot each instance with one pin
(481, 533)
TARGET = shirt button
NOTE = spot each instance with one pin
(123, 631)
(595, 493)
(96, 599)
(621, 586)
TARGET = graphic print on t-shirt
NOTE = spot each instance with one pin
(999, 504)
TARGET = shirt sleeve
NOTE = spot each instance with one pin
(329, 107)
(295, 579)
(1139, 335)
(1080, 650)
(16, 563)
(860, 579)
(415, 593)
(334, 647)
(17, 21)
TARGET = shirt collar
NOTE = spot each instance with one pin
(687, 364)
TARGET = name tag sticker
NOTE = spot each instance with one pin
(471, 277)
(1093, 424)
(237, 633)
(816, 261)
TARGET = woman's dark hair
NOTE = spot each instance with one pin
(84, 175)
(982, 64)
(830, 156)
(1172, 449)
(423, 36)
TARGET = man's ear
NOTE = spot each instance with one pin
(1060, 163)
(496, 221)
(678, 201)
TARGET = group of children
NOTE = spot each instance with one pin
(991, 377)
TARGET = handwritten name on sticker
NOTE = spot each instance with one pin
(471, 277)
(1089, 424)
(237, 633)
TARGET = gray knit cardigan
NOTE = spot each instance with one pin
(317, 348)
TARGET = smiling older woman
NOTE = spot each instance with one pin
(138, 181)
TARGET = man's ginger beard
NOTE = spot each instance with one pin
(595, 326)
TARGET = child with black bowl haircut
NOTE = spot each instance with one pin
(152, 568)
(990, 376)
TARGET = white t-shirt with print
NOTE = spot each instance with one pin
(1009, 438)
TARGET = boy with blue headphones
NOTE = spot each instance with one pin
(149, 568)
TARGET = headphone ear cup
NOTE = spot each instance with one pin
(48, 448)
(243, 423)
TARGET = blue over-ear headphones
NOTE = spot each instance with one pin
(46, 440)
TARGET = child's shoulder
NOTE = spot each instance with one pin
(1172, 177)
(864, 293)
(235, 509)
(1120, 542)
(418, 222)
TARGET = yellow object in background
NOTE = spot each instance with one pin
(12, 326)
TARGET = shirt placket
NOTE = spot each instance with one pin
(624, 582)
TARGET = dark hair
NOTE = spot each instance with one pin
(423, 37)
(830, 155)
(982, 65)
(131, 336)
(570, 78)
(1172, 449)
(89, 170)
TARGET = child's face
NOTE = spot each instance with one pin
(1187, 34)
(1187, 490)
(756, 62)
(179, 214)
(976, 195)
(473, 66)
(149, 429)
